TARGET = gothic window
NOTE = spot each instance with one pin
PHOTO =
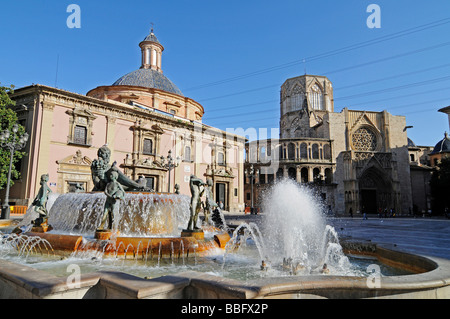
(291, 151)
(304, 151)
(316, 174)
(326, 152)
(316, 98)
(280, 173)
(364, 139)
(281, 152)
(295, 125)
(296, 102)
(292, 173)
(296, 97)
(304, 175)
(315, 151)
(147, 147)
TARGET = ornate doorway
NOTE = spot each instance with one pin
(221, 194)
(375, 191)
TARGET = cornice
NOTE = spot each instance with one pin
(111, 108)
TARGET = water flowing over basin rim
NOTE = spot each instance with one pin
(135, 246)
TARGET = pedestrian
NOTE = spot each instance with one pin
(351, 212)
(330, 211)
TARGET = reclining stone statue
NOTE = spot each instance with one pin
(101, 169)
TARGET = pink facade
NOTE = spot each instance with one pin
(141, 117)
(54, 115)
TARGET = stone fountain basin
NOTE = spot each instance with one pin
(135, 247)
(431, 280)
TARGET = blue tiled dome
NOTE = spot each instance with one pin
(148, 78)
(443, 146)
(151, 37)
(411, 143)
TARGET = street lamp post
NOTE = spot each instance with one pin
(13, 142)
(171, 164)
(252, 173)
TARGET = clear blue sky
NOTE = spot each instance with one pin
(233, 56)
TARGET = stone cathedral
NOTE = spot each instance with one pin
(356, 160)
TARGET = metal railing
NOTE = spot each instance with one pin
(18, 210)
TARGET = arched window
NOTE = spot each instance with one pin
(304, 151)
(280, 173)
(292, 172)
(328, 176)
(153, 57)
(304, 175)
(315, 151)
(296, 98)
(316, 98)
(316, 174)
(291, 151)
(326, 152)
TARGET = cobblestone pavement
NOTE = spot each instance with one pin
(424, 236)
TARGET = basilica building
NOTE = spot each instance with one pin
(357, 161)
(143, 118)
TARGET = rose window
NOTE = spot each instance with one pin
(364, 140)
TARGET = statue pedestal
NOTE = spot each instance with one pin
(104, 234)
(41, 225)
(197, 234)
(43, 228)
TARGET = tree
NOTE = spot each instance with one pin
(440, 187)
(7, 120)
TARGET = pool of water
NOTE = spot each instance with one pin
(242, 265)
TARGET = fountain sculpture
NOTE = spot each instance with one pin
(122, 215)
(40, 205)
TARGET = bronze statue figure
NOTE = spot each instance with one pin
(197, 189)
(113, 191)
(40, 202)
(209, 204)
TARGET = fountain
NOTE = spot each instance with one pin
(121, 217)
(167, 252)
